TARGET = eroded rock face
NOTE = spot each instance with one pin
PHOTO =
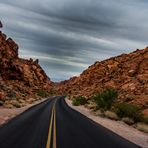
(19, 78)
(128, 73)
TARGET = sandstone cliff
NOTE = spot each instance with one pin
(128, 73)
(20, 79)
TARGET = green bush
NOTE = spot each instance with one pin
(129, 110)
(42, 93)
(80, 100)
(105, 99)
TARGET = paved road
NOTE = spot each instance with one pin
(53, 124)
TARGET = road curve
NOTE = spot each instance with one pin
(53, 124)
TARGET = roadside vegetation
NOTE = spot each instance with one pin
(106, 104)
(52, 92)
(129, 110)
(79, 100)
(42, 93)
(105, 99)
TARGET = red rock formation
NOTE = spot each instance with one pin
(128, 73)
(19, 76)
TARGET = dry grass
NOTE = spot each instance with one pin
(128, 120)
(111, 115)
(142, 127)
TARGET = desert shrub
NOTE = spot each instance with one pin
(144, 119)
(12, 94)
(142, 127)
(129, 110)
(105, 99)
(80, 100)
(111, 115)
(1, 102)
(128, 120)
(52, 91)
(42, 93)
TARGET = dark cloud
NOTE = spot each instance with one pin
(69, 35)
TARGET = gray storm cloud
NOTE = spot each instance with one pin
(69, 35)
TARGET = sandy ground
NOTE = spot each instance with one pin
(7, 114)
(119, 127)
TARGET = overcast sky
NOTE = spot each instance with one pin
(69, 35)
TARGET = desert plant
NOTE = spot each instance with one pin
(144, 119)
(42, 93)
(1, 102)
(12, 94)
(128, 120)
(105, 99)
(80, 100)
(111, 115)
(142, 127)
(52, 91)
(129, 110)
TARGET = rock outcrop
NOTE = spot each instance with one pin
(19, 78)
(127, 73)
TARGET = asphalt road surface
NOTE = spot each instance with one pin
(53, 124)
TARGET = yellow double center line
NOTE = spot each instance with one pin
(52, 125)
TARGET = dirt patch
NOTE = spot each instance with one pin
(7, 114)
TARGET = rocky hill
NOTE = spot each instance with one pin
(20, 79)
(127, 73)
(24, 81)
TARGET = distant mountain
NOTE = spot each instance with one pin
(127, 73)
(20, 79)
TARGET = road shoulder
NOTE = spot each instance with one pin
(117, 127)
